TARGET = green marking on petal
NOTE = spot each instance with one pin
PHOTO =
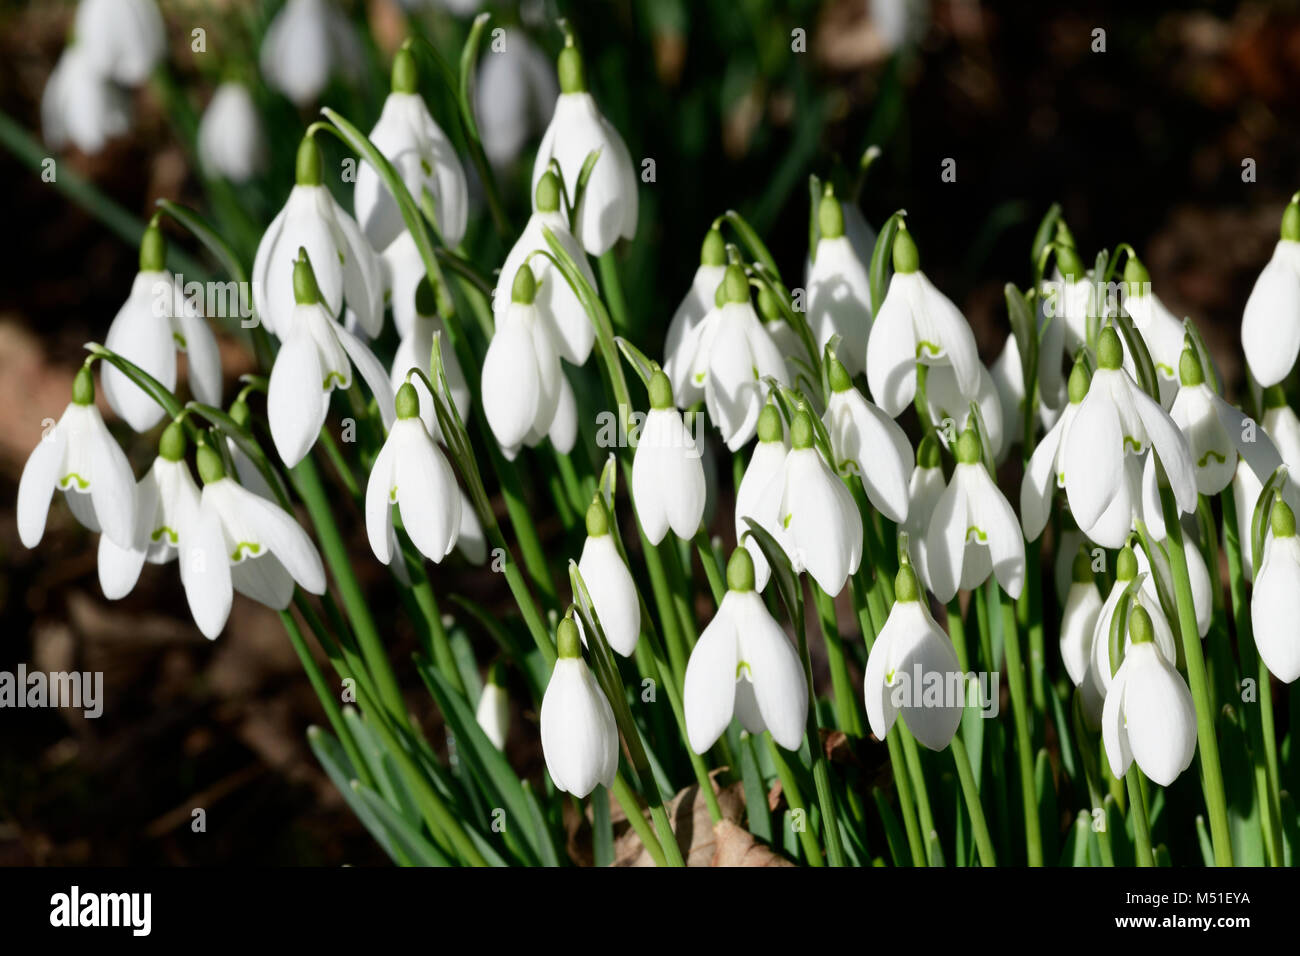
(245, 549)
(889, 676)
(1130, 440)
(980, 536)
(169, 533)
(392, 495)
(178, 339)
(743, 670)
(785, 522)
(66, 481)
(1209, 456)
(425, 167)
(332, 380)
(342, 261)
(1162, 367)
(933, 349)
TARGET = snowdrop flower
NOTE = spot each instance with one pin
(493, 711)
(415, 351)
(79, 106)
(79, 457)
(1079, 619)
(1067, 301)
(1116, 420)
(239, 541)
(924, 489)
(305, 44)
(579, 736)
(668, 487)
(153, 324)
(1270, 325)
(347, 269)
(733, 360)
(744, 665)
(317, 356)
(916, 323)
(1275, 601)
(839, 291)
(1149, 715)
(610, 583)
(818, 523)
(422, 155)
(973, 531)
(766, 466)
(232, 140)
(557, 304)
(521, 372)
(411, 472)
(514, 96)
(946, 404)
(608, 208)
(1045, 471)
(689, 320)
(124, 39)
(1280, 424)
(910, 657)
(1162, 333)
(868, 443)
(165, 499)
(1008, 377)
(1127, 569)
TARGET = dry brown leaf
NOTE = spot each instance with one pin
(733, 845)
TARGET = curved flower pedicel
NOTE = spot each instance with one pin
(868, 443)
(839, 290)
(408, 136)
(911, 659)
(744, 665)
(753, 499)
(347, 269)
(231, 139)
(1275, 601)
(609, 582)
(306, 43)
(579, 735)
(1270, 324)
(689, 320)
(668, 487)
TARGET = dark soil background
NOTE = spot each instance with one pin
(1143, 143)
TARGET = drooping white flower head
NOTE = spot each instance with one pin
(753, 499)
(411, 472)
(415, 350)
(1007, 373)
(1162, 333)
(1149, 715)
(239, 541)
(79, 457)
(818, 524)
(165, 499)
(514, 96)
(521, 372)
(81, 107)
(557, 304)
(609, 583)
(733, 360)
(1270, 325)
(1117, 420)
(493, 711)
(1282, 427)
(307, 43)
(315, 358)
(868, 443)
(839, 290)
(924, 489)
(123, 39)
(155, 322)
(1079, 619)
(1275, 601)
(1045, 471)
(1127, 569)
(232, 139)
(744, 665)
(423, 156)
(347, 269)
(973, 531)
(608, 208)
(668, 487)
(683, 339)
(910, 658)
(916, 323)
(946, 403)
(579, 735)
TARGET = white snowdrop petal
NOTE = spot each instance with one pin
(36, 486)
(709, 690)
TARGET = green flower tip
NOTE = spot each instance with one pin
(801, 430)
(768, 307)
(968, 448)
(567, 642)
(426, 303)
(1080, 379)
(839, 376)
(1068, 261)
(210, 466)
(239, 412)
(1126, 565)
(927, 453)
(740, 571)
(1291, 219)
(547, 197)
(407, 402)
(1274, 397)
(769, 424)
(1081, 572)
(1283, 520)
(597, 518)
(906, 257)
(906, 587)
(305, 289)
(1135, 271)
(661, 391)
(83, 387)
(573, 75)
(1189, 368)
(406, 77)
(1110, 351)
(830, 217)
(525, 287)
(310, 168)
(171, 445)
(496, 675)
(153, 249)
(1140, 630)
(714, 250)
(735, 287)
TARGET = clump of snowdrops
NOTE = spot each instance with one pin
(1057, 672)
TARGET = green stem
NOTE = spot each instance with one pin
(846, 709)
(983, 842)
(794, 798)
(1024, 745)
(1138, 811)
(612, 286)
(626, 798)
